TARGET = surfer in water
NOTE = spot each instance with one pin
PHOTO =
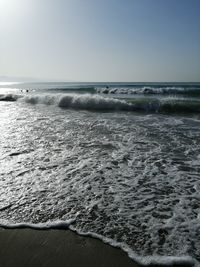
(106, 90)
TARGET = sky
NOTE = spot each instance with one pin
(100, 41)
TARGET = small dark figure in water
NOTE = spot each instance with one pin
(27, 90)
(106, 90)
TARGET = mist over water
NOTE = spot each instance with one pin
(129, 176)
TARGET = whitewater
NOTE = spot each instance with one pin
(120, 162)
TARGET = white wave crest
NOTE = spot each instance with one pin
(143, 90)
(92, 102)
(75, 101)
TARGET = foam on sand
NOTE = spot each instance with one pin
(165, 261)
(28, 247)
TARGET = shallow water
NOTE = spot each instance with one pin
(127, 176)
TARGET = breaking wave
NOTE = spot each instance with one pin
(93, 102)
(129, 180)
(99, 103)
(9, 97)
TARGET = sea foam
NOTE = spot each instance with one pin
(99, 103)
(165, 261)
(133, 179)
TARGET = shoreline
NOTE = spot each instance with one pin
(60, 248)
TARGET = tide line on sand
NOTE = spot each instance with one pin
(60, 248)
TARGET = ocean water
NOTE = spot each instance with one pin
(120, 162)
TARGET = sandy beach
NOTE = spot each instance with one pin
(28, 247)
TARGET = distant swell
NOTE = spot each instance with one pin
(147, 90)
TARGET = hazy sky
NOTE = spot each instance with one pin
(101, 40)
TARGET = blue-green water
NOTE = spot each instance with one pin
(146, 97)
(120, 162)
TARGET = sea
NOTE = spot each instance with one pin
(116, 161)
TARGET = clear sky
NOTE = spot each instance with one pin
(100, 40)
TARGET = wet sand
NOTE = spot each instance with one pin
(57, 248)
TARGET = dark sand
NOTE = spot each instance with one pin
(56, 248)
